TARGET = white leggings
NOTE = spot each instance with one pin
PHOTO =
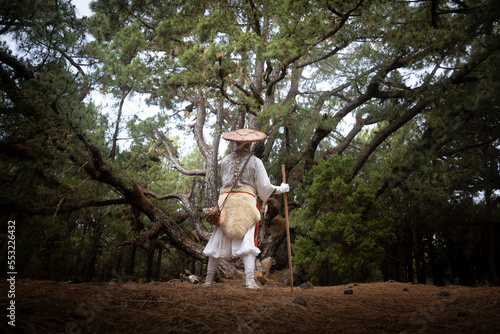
(248, 262)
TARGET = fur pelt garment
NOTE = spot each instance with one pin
(239, 213)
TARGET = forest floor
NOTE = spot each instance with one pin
(227, 307)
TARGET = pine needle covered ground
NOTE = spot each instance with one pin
(181, 307)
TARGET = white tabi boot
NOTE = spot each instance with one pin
(249, 263)
(212, 266)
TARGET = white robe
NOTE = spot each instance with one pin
(254, 176)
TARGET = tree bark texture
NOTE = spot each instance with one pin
(272, 239)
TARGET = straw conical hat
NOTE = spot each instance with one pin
(244, 135)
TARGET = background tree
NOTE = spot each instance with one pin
(386, 90)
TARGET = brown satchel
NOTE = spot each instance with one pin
(212, 214)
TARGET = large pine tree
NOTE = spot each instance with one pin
(313, 75)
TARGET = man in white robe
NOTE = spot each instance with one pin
(236, 234)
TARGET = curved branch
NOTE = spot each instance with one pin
(294, 84)
(170, 156)
(190, 208)
(14, 207)
(360, 123)
(101, 171)
(22, 151)
(386, 132)
(256, 23)
(21, 70)
(372, 90)
(456, 78)
(201, 109)
(328, 55)
(256, 94)
(68, 58)
(229, 98)
(276, 78)
(341, 23)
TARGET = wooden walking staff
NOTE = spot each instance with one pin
(287, 231)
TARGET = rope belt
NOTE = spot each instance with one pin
(244, 192)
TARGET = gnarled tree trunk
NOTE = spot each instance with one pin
(272, 239)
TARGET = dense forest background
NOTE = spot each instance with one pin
(386, 115)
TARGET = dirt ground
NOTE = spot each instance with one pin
(181, 307)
